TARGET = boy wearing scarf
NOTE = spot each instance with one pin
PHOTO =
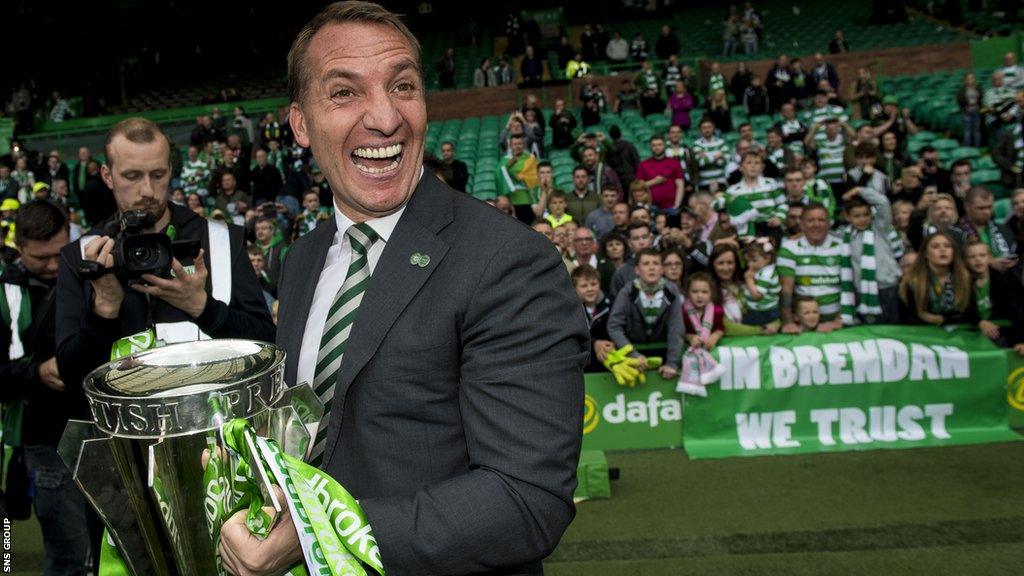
(870, 271)
(649, 311)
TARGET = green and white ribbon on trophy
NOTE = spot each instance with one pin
(333, 531)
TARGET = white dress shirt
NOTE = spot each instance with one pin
(339, 256)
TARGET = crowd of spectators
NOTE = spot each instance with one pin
(815, 227)
(239, 169)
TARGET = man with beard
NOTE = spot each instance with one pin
(218, 296)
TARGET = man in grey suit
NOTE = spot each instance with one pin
(444, 336)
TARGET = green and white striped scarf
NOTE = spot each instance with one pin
(652, 299)
(858, 298)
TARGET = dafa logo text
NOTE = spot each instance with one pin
(652, 411)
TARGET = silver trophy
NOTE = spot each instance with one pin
(156, 418)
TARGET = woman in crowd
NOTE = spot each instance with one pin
(613, 246)
(681, 102)
(728, 275)
(718, 112)
(674, 266)
(937, 290)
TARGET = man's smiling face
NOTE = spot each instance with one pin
(364, 116)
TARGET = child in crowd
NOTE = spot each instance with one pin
(993, 295)
(597, 307)
(704, 325)
(816, 189)
(649, 311)
(556, 209)
(870, 273)
(807, 313)
(761, 287)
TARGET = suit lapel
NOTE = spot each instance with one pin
(394, 283)
(292, 317)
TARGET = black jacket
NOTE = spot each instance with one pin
(46, 410)
(84, 339)
(266, 184)
(598, 330)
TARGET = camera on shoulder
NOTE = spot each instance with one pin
(135, 253)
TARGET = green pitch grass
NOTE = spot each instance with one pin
(929, 511)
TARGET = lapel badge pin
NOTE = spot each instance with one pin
(421, 260)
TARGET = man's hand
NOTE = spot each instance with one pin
(774, 222)
(667, 372)
(109, 293)
(826, 327)
(791, 328)
(50, 376)
(1003, 264)
(695, 341)
(641, 363)
(243, 554)
(602, 348)
(849, 194)
(186, 292)
(990, 330)
(656, 181)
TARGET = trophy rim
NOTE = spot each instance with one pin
(167, 415)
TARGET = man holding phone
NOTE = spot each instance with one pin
(212, 294)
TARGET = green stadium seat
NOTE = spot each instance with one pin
(986, 176)
(984, 163)
(1002, 209)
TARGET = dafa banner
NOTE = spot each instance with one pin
(620, 418)
(854, 389)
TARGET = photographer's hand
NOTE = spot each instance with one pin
(109, 293)
(186, 292)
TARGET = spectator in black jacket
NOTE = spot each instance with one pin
(756, 99)
(456, 171)
(29, 372)
(622, 156)
(266, 179)
(739, 82)
(562, 123)
(667, 43)
(205, 132)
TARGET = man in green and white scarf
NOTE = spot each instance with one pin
(870, 271)
(977, 221)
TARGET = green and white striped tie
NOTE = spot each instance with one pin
(338, 327)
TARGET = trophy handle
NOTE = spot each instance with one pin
(294, 419)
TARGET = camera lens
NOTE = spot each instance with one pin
(141, 254)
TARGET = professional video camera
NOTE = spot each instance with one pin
(136, 253)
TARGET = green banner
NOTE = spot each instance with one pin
(621, 418)
(855, 389)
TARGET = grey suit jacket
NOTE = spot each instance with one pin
(457, 416)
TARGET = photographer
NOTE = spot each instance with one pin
(219, 298)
